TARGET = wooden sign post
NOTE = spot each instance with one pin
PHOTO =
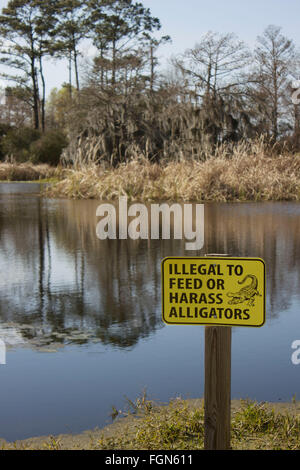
(217, 391)
(219, 292)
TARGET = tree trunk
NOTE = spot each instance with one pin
(70, 74)
(35, 95)
(152, 68)
(43, 94)
(113, 77)
(76, 68)
(102, 69)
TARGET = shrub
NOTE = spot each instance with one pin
(16, 143)
(48, 148)
(4, 128)
(26, 144)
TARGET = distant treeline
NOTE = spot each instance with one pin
(118, 105)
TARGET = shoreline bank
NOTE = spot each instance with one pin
(242, 177)
(179, 426)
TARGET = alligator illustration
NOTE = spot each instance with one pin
(246, 293)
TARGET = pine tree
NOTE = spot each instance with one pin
(116, 24)
(23, 31)
(71, 28)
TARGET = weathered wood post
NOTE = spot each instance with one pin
(217, 392)
(207, 291)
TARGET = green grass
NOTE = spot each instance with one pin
(179, 426)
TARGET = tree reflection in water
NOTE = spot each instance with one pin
(60, 284)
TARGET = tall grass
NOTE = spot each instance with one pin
(250, 171)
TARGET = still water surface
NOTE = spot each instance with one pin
(82, 317)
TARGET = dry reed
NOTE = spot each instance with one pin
(251, 172)
(26, 172)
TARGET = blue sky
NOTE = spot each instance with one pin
(186, 21)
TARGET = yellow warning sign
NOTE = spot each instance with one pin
(213, 291)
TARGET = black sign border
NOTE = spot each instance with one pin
(214, 258)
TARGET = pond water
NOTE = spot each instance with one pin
(81, 317)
